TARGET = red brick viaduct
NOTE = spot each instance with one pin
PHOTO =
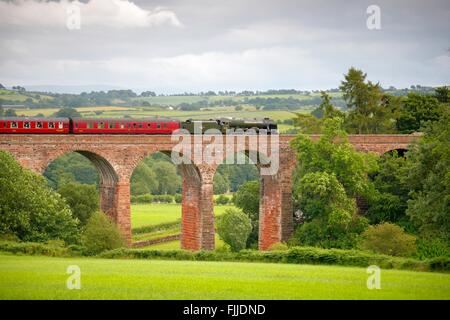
(116, 156)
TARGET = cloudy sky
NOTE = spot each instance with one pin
(197, 45)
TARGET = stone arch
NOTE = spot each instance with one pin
(400, 150)
(197, 218)
(107, 174)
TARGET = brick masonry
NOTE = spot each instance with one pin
(116, 156)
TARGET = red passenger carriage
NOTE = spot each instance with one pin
(34, 125)
(124, 126)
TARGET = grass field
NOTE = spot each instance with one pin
(35, 277)
(156, 213)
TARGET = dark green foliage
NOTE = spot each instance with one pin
(330, 174)
(247, 199)
(82, 199)
(29, 209)
(234, 227)
(67, 113)
(177, 198)
(432, 246)
(237, 174)
(429, 180)
(416, 111)
(143, 180)
(101, 234)
(368, 112)
(221, 183)
(71, 167)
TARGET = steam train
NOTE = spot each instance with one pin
(21, 125)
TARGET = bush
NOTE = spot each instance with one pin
(296, 255)
(388, 238)
(320, 234)
(432, 247)
(234, 227)
(101, 234)
(278, 246)
(81, 198)
(178, 198)
(54, 249)
(222, 199)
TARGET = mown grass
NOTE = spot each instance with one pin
(37, 277)
(157, 213)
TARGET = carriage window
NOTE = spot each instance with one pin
(111, 125)
(60, 125)
(134, 125)
(140, 125)
(76, 124)
(122, 126)
(26, 125)
(101, 125)
(90, 125)
(165, 125)
(148, 125)
(129, 125)
(158, 125)
(4, 124)
(13, 124)
(39, 125)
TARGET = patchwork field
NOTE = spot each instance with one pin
(35, 277)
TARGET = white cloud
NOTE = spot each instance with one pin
(263, 68)
(108, 13)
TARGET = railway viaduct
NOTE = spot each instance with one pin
(116, 156)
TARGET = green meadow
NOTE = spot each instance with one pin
(157, 213)
(38, 277)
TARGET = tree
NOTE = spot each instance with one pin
(29, 209)
(101, 234)
(367, 114)
(221, 184)
(429, 180)
(169, 181)
(329, 175)
(71, 167)
(1, 111)
(416, 111)
(234, 228)
(390, 201)
(143, 180)
(67, 113)
(247, 199)
(81, 198)
(442, 94)
(327, 109)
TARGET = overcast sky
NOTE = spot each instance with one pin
(176, 46)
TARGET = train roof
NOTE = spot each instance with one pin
(127, 119)
(32, 119)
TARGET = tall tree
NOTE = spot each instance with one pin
(364, 101)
